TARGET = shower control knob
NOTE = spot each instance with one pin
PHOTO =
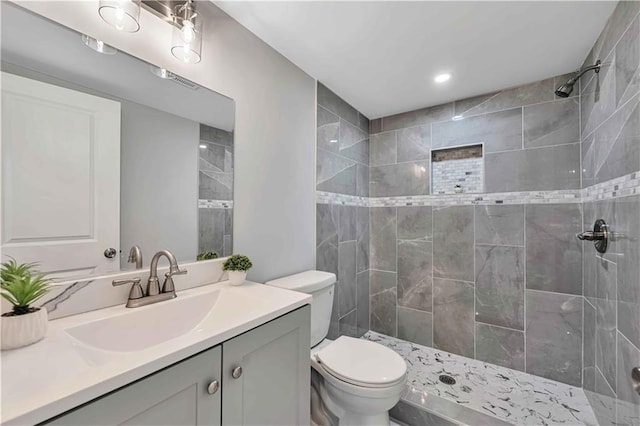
(237, 372)
(213, 387)
(635, 379)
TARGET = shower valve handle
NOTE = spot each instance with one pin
(591, 236)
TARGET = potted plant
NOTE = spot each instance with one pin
(207, 255)
(21, 285)
(237, 266)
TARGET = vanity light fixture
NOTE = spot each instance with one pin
(186, 42)
(123, 15)
(441, 78)
(98, 45)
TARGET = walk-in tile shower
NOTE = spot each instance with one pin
(495, 274)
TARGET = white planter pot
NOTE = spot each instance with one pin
(23, 330)
(237, 277)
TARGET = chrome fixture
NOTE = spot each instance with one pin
(138, 297)
(564, 90)
(186, 42)
(123, 15)
(110, 253)
(135, 256)
(135, 294)
(599, 236)
(98, 45)
(635, 379)
(153, 286)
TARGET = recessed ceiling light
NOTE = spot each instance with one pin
(203, 146)
(441, 78)
(457, 117)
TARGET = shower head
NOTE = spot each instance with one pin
(564, 90)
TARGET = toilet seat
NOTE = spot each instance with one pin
(362, 363)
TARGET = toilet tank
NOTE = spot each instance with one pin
(320, 285)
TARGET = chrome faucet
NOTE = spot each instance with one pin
(135, 256)
(138, 297)
(153, 286)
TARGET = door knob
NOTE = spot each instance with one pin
(110, 253)
(213, 387)
(237, 372)
(635, 379)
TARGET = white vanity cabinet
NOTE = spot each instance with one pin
(262, 376)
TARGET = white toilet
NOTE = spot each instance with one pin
(354, 381)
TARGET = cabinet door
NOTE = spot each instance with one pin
(177, 395)
(273, 388)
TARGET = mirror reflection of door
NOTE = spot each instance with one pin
(60, 177)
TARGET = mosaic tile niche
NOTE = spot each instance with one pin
(457, 170)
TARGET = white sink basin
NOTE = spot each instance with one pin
(140, 328)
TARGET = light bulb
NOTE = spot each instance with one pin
(188, 32)
(119, 18)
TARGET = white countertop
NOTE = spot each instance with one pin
(60, 372)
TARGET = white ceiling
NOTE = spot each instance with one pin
(382, 56)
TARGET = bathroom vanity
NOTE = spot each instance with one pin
(216, 354)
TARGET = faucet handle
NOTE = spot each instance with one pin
(175, 271)
(136, 289)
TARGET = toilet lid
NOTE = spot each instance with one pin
(362, 363)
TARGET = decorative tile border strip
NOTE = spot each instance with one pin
(347, 200)
(215, 204)
(614, 188)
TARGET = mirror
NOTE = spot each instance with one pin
(103, 152)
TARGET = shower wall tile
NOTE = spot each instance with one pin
(537, 169)
(553, 123)
(627, 228)
(606, 340)
(537, 92)
(453, 318)
(383, 149)
(499, 225)
(418, 117)
(414, 143)
(383, 240)
(332, 102)
(362, 302)
(375, 126)
(383, 302)
(346, 291)
(415, 223)
(415, 326)
(500, 346)
(342, 231)
(453, 239)
(589, 324)
(415, 274)
(554, 254)
(362, 238)
(410, 178)
(498, 131)
(500, 286)
(327, 222)
(628, 63)
(598, 97)
(554, 336)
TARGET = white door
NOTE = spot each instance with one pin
(60, 177)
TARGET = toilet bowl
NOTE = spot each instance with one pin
(354, 381)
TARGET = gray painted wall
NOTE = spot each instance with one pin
(274, 214)
(159, 154)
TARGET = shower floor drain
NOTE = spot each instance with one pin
(447, 380)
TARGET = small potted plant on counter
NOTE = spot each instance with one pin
(21, 285)
(237, 267)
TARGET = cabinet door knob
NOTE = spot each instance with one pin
(213, 387)
(237, 372)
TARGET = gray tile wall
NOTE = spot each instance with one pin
(215, 166)
(485, 281)
(610, 125)
(342, 231)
